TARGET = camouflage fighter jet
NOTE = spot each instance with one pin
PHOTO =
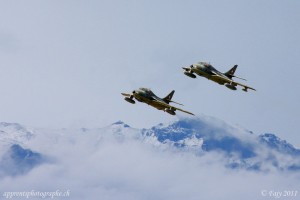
(145, 95)
(208, 71)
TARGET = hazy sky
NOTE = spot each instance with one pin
(65, 63)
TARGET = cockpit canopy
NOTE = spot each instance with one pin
(147, 90)
(207, 65)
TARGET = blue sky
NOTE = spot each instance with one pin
(65, 63)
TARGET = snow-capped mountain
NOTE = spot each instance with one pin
(239, 148)
(13, 133)
(22, 149)
(15, 159)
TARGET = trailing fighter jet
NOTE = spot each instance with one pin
(145, 95)
(208, 71)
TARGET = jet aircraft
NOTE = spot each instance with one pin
(145, 95)
(208, 71)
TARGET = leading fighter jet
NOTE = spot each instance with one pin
(145, 95)
(208, 71)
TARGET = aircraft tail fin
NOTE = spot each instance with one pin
(230, 73)
(168, 98)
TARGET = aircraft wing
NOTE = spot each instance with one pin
(245, 86)
(230, 81)
(172, 107)
(182, 110)
(221, 78)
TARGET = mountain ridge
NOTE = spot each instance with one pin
(238, 148)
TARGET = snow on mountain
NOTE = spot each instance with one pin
(15, 158)
(274, 142)
(182, 159)
(241, 149)
(121, 131)
(236, 147)
(13, 133)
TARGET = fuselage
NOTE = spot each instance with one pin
(145, 95)
(208, 71)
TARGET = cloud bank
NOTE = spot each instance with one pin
(110, 166)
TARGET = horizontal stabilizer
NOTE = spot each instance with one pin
(176, 103)
(239, 78)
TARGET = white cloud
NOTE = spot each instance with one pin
(126, 168)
